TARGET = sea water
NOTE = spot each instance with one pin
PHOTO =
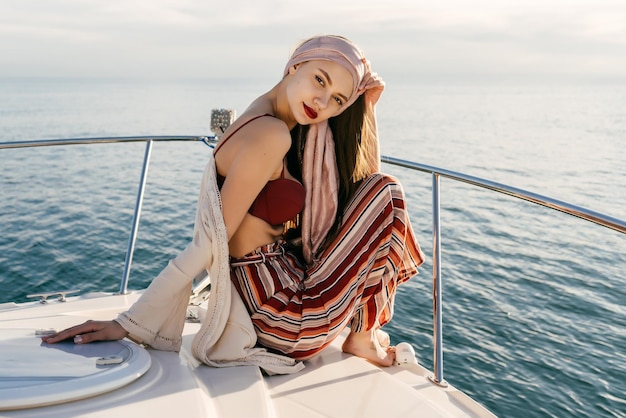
(533, 300)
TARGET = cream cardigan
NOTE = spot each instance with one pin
(227, 336)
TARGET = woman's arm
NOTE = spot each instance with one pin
(254, 157)
(251, 163)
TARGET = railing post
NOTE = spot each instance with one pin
(437, 331)
(133, 232)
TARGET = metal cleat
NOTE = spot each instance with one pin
(44, 296)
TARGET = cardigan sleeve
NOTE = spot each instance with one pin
(158, 317)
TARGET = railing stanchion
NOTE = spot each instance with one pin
(133, 232)
(437, 331)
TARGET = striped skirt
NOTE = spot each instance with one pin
(299, 309)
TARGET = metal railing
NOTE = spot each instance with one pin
(149, 140)
(436, 173)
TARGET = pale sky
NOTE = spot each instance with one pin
(253, 38)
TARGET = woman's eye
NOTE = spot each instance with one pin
(339, 101)
(319, 79)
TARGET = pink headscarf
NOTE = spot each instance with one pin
(319, 168)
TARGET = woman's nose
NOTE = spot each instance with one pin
(321, 101)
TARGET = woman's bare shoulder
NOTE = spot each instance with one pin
(267, 131)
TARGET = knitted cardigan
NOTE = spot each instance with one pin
(227, 336)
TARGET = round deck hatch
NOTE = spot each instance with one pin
(35, 374)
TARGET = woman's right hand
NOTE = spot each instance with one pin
(89, 331)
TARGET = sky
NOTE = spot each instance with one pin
(404, 39)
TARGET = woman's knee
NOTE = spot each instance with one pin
(383, 181)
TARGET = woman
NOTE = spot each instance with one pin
(318, 239)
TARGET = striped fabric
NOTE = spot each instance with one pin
(299, 310)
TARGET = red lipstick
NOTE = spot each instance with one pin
(309, 111)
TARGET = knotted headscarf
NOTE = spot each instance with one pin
(319, 167)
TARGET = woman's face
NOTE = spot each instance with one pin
(318, 90)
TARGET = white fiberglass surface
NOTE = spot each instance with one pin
(33, 373)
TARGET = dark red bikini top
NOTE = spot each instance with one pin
(279, 201)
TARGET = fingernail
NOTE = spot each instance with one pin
(78, 339)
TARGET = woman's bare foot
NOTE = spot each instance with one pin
(367, 345)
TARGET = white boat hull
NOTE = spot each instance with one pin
(333, 384)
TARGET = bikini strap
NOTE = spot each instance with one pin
(223, 140)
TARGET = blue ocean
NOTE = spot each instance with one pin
(534, 315)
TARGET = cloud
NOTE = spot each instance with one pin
(403, 38)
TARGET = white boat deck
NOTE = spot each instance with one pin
(333, 384)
